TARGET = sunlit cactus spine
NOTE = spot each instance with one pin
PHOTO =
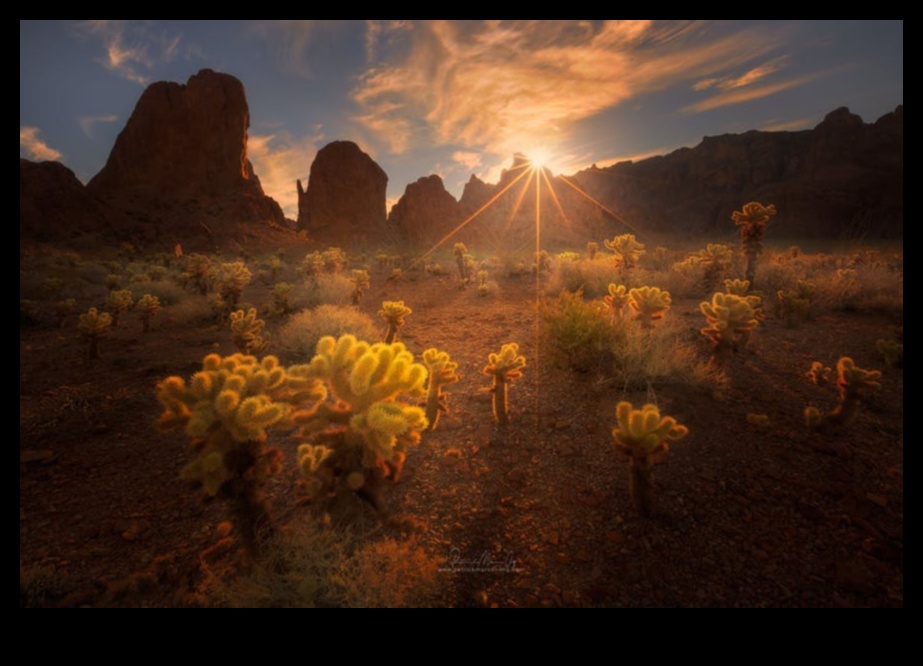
(649, 304)
(393, 312)
(227, 409)
(247, 331)
(751, 221)
(441, 372)
(731, 320)
(627, 251)
(360, 280)
(372, 420)
(853, 384)
(119, 302)
(642, 435)
(819, 374)
(93, 325)
(742, 288)
(617, 299)
(504, 368)
(146, 307)
(892, 351)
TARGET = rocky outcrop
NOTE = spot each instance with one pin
(843, 178)
(54, 206)
(180, 165)
(345, 198)
(425, 213)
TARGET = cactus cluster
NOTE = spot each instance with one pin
(649, 304)
(393, 312)
(853, 384)
(247, 331)
(92, 325)
(365, 432)
(441, 372)
(504, 368)
(227, 408)
(752, 221)
(642, 435)
(731, 320)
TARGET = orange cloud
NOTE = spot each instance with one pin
(500, 85)
(467, 159)
(278, 161)
(790, 125)
(132, 49)
(739, 96)
(35, 147)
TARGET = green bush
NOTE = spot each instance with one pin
(575, 333)
(297, 339)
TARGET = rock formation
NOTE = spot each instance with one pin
(180, 164)
(426, 212)
(345, 198)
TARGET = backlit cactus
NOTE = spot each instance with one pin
(360, 280)
(731, 320)
(853, 383)
(627, 251)
(649, 304)
(441, 372)
(227, 408)
(504, 367)
(119, 302)
(714, 260)
(460, 251)
(393, 312)
(93, 325)
(642, 435)
(373, 420)
(146, 307)
(752, 221)
(247, 331)
(617, 299)
(280, 298)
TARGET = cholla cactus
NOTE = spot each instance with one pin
(504, 367)
(371, 424)
(280, 298)
(393, 312)
(715, 260)
(752, 222)
(247, 331)
(617, 299)
(853, 384)
(360, 280)
(731, 319)
(119, 301)
(93, 325)
(227, 408)
(794, 307)
(542, 262)
(460, 250)
(312, 265)
(232, 278)
(198, 270)
(334, 259)
(441, 372)
(627, 251)
(649, 304)
(483, 289)
(742, 288)
(147, 306)
(642, 435)
(819, 374)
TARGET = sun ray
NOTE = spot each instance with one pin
(611, 212)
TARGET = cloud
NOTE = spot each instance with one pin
(502, 86)
(292, 41)
(133, 48)
(790, 125)
(35, 147)
(376, 30)
(741, 95)
(467, 159)
(749, 77)
(88, 123)
(279, 160)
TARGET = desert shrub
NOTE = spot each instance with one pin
(576, 334)
(93, 273)
(297, 339)
(867, 288)
(166, 291)
(591, 276)
(192, 310)
(323, 289)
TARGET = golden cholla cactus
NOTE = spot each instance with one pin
(714, 260)
(731, 319)
(737, 287)
(227, 408)
(649, 304)
(752, 221)
(247, 331)
(617, 298)
(118, 302)
(393, 312)
(373, 419)
(147, 306)
(92, 325)
(853, 384)
(642, 435)
(504, 367)
(232, 278)
(361, 282)
(441, 372)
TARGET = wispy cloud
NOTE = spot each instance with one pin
(501, 86)
(35, 147)
(375, 31)
(749, 77)
(133, 48)
(790, 125)
(279, 160)
(469, 160)
(748, 94)
(88, 123)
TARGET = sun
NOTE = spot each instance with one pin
(539, 158)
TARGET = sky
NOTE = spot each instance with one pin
(457, 98)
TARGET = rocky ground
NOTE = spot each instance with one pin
(538, 515)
